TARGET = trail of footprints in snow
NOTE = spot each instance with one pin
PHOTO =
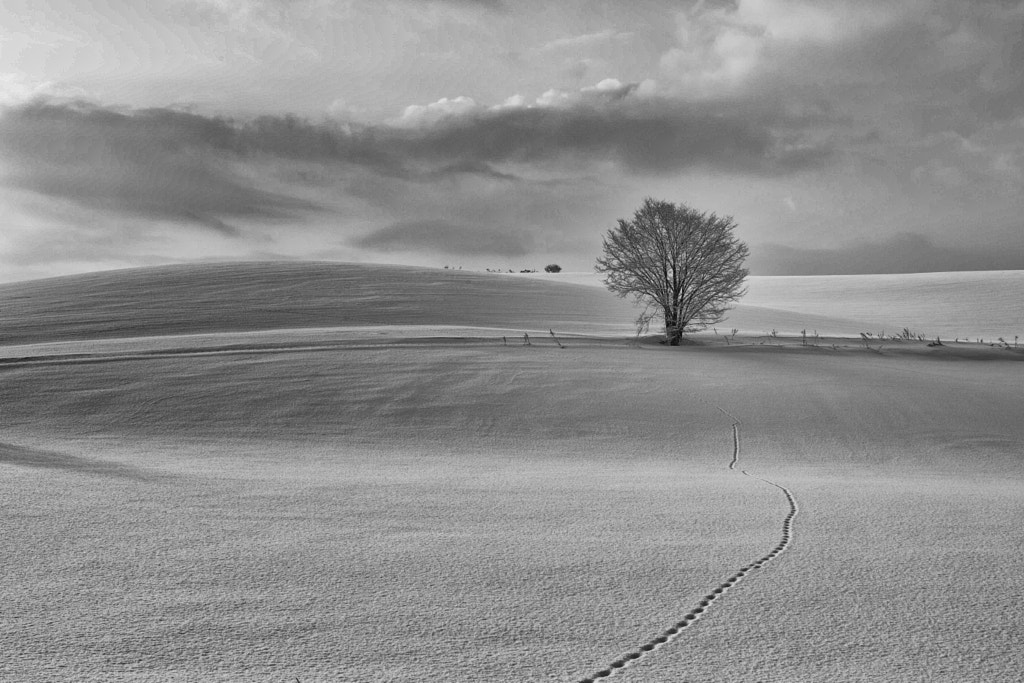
(702, 607)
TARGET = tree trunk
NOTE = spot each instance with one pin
(673, 330)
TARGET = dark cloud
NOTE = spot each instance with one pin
(159, 164)
(441, 237)
(904, 253)
(175, 165)
(952, 65)
(656, 137)
(648, 135)
(475, 168)
(912, 69)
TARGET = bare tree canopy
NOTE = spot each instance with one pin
(678, 262)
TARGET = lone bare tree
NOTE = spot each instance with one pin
(681, 263)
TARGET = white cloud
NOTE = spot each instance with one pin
(607, 85)
(339, 110)
(416, 115)
(722, 49)
(420, 115)
(516, 101)
(797, 21)
(716, 49)
(429, 114)
(553, 98)
(806, 21)
(17, 89)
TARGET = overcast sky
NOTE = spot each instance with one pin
(843, 136)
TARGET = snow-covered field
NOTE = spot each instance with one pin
(967, 305)
(345, 473)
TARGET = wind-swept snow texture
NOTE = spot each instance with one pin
(362, 501)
